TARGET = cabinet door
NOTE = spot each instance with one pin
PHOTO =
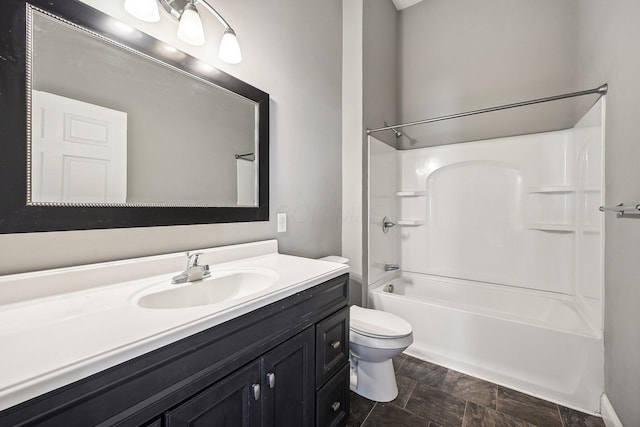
(288, 383)
(332, 345)
(231, 402)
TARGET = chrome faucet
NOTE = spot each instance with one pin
(391, 267)
(194, 271)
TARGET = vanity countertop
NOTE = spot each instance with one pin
(53, 340)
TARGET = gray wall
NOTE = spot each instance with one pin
(609, 35)
(294, 53)
(380, 77)
(380, 48)
(352, 152)
(369, 99)
(464, 55)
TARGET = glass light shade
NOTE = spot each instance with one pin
(145, 10)
(229, 51)
(190, 28)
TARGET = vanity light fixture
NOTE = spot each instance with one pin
(190, 29)
(145, 10)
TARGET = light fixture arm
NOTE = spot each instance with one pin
(215, 13)
(190, 28)
(175, 8)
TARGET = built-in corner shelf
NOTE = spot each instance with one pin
(410, 222)
(565, 228)
(550, 189)
(410, 193)
(552, 194)
(591, 229)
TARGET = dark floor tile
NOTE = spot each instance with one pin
(398, 361)
(436, 405)
(360, 408)
(528, 408)
(387, 415)
(423, 372)
(405, 388)
(469, 388)
(479, 416)
(573, 418)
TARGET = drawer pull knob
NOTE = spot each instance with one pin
(335, 406)
(334, 344)
(256, 391)
(271, 379)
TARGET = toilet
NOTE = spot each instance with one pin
(375, 337)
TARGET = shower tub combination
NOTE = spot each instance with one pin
(526, 340)
(499, 244)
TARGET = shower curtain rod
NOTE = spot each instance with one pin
(602, 90)
(245, 156)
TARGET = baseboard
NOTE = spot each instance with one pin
(609, 415)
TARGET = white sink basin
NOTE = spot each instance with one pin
(223, 286)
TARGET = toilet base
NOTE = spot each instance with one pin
(375, 380)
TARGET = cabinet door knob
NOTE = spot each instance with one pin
(256, 391)
(334, 344)
(335, 406)
(271, 379)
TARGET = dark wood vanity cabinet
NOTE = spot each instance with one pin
(282, 365)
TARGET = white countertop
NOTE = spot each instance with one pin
(51, 341)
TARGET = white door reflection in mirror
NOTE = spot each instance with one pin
(79, 151)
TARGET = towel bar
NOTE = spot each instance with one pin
(622, 209)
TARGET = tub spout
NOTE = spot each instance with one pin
(391, 267)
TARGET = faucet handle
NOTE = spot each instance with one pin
(192, 256)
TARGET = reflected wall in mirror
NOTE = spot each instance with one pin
(122, 130)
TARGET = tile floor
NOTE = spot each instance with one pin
(433, 396)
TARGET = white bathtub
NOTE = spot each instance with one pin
(532, 341)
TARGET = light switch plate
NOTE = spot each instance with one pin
(282, 222)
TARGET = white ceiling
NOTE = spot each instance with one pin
(403, 4)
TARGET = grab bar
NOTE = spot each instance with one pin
(622, 209)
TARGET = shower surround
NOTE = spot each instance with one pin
(499, 243)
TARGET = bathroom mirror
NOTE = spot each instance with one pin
(120, 129)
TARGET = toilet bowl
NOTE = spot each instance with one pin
(375, 337)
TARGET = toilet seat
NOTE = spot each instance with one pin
(380, 343)
(378, 324)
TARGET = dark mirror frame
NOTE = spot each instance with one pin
(15, 215)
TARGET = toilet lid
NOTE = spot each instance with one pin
(378, 323)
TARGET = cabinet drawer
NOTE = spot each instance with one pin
(332, 345)
(332, 400)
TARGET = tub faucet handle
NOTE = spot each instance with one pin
(387, 224)
(391, 267)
